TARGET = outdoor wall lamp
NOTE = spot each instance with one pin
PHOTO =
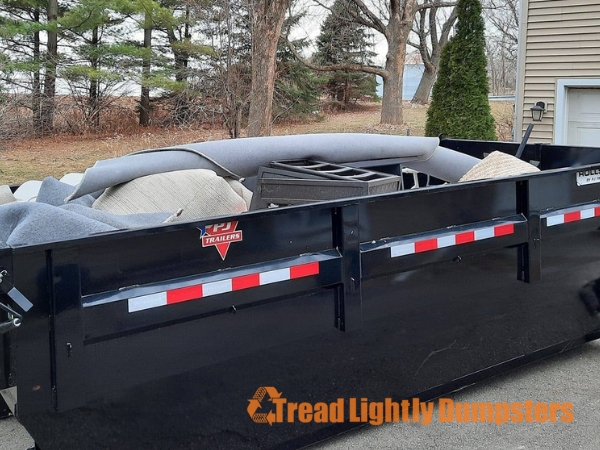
(537, 111)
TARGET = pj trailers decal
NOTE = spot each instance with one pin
(221, 236)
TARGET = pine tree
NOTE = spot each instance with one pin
(459, 103)
(297, 88)
(28, 39)
(344, 41)
(93, 68)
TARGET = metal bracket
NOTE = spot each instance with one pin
(14, 318)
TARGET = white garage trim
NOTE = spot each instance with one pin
(561, 107)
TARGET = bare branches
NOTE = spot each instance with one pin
(370, 19)
(502, 44)
(504, 16)
(333, 67)
(436, 4)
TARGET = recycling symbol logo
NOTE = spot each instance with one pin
(255, 404)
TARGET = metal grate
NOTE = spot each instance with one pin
(296, 182)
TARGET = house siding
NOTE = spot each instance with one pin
(559, 39)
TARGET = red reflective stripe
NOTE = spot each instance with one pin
(572, 216)
(597, 211)
(245, 282)
(184, 294)
(304, 270)
(463, 238)
(426, 245)
(503, 230)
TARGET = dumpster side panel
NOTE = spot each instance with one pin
(421, 329)
(455, 284)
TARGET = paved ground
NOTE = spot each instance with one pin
(571, 377)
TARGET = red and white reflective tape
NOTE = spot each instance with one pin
(571, 215)
(234, 284)
(450, 239)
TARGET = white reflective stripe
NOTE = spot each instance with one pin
(446, 241)
(402, 249)
(555, 220)
(216, 287)
(587, 213)
(273, 276)
(484, 233)
(147, 301)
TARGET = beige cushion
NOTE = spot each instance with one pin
(199, 193)
(240, 190)
(497, 165)
(6, 195)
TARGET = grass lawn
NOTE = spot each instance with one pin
(29, 159)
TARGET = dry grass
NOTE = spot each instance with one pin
(26, 159)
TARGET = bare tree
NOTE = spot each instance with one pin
(433, 31)
(502, 17)
(267, 18)
(394, 20)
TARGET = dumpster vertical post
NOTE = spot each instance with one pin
(530, 253)
(346, 235)
(67, 330)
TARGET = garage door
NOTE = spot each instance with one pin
(583, 126)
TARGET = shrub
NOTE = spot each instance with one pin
(459, 102)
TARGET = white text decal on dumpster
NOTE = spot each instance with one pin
(590, 176)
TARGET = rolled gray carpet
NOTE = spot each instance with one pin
(243, 157)
(49, 220)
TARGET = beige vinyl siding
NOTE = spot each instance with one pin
(574, 39)
(561, 40)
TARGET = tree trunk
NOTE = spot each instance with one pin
(346, 90)
(182, 105)
(47, 106)
(36, 92)
(423, 91)
(398, 29)
(267, 21)
(431, 54)
(421, 97)
(94, 93)
(391, 103)
(181, 56)
(145, 96)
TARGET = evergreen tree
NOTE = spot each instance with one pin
(94, 66)
(344, 41)
(28, 39)
(459, 102)
(226, 71)
(297, 88)
(224, 79)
